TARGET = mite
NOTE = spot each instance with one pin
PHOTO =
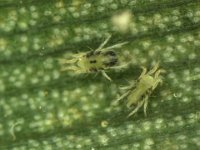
(93, 61)
(137, 94)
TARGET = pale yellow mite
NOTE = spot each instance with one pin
(92, 61)
(137, 94)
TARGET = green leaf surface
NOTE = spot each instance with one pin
(44, 108)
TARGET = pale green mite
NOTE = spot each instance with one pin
(93, 61)
(137, 94)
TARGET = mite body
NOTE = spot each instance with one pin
(137, 94)
(97, 60)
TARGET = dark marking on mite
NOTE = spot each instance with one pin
(109, 53)
(93, 61)
(111, 62)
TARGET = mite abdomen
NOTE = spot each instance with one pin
(134, 97)
(110, 58)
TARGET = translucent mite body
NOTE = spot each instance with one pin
(94, 61)
(97, 60)
(137, 94)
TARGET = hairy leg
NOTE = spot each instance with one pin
(127, 87)
(123, 96)
(153, 70)
(105, 75)
(156, 83)
(137, 108)
(144, 70)
(145, 105)
(104, 43)
(63, 61)
(120, 67)
(72, 68)
(159, 72)
(114, 46)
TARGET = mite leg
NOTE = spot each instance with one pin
(104, 43)
(153, 70)
(137, 108)
(156, 83)
(145, 105)
(159, 72)
(63, 61)
(71, 59)
(126, 87)
(123, 96)
(72, 68)
(144, 70)
(78, 55)
(12, 131)
(120, 67)
(105, 75)
(114, 46)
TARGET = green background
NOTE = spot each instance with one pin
(43, 108)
